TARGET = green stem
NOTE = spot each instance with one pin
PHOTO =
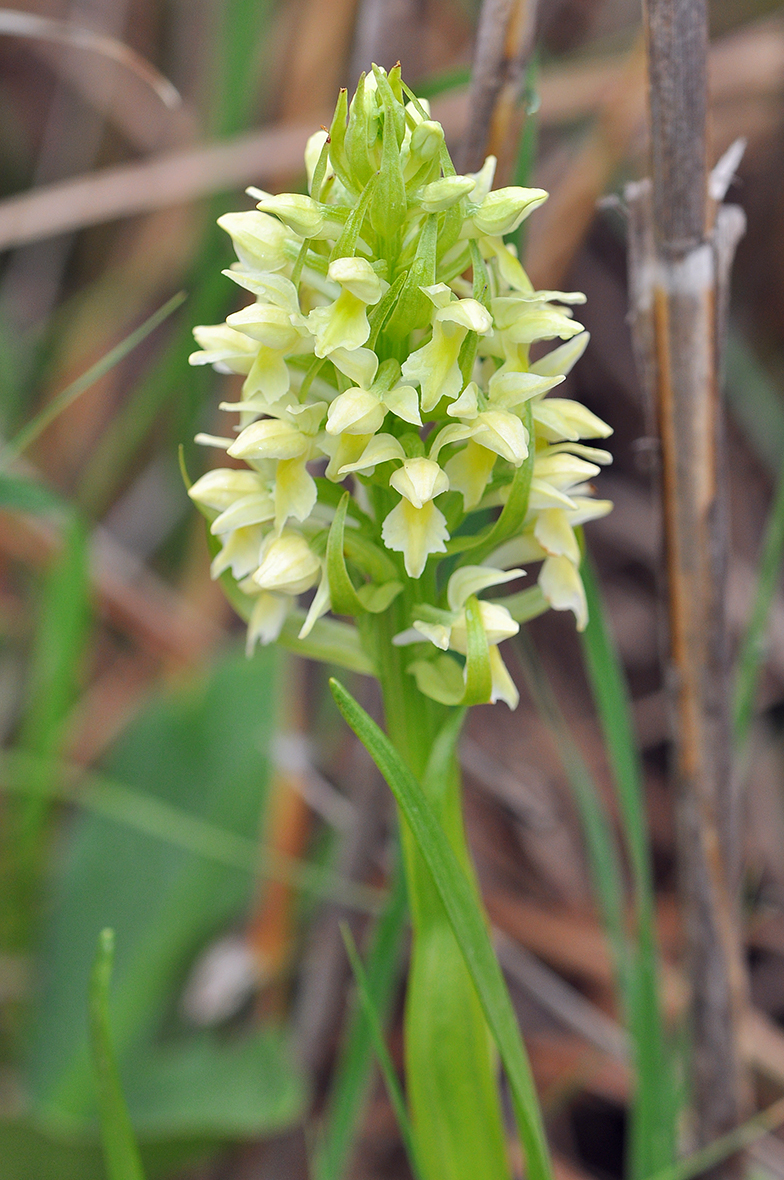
(450, 1065)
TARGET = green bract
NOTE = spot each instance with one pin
(388, 351)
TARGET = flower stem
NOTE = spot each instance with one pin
(450, 1065)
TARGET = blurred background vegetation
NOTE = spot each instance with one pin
(211, 809)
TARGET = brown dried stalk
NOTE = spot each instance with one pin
(681, 247)
(504, 42)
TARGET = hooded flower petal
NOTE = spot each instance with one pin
(221, 345)
(259, 240)
(379, 449)
(419, 480)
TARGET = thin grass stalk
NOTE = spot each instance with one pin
(680, 249)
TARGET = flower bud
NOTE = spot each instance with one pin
(389, 204)
(444, 193)
(502, 211)
(269, 439)
(300, 213)
(426, 140)
(269, 325)
(259, 240)
(219, 488)
(355, 412)
(287, 565)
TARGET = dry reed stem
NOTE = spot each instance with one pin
(681, 247)
(504, 43)
(748, 64)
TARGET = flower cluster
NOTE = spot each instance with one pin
(391, 414)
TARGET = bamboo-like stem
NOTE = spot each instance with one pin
(504, 43)
(681, 247)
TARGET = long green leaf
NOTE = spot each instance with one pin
(68, 396)
(385, 1062)
(466, 919)
(349, 1090)
(154, 817)
(654, 1131)
(121, 1153)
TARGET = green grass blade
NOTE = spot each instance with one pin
(654, 1131)
(121, 1153)
(467, 923)
(349, 1090)
(29, 433)
(27, 495)
(155, 817)
(603, 857)
(755, 402)
(382, 1053)
(720, 1149)
(58, 646)
(752, 651)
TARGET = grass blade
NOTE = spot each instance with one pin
(58, 646)
(654, 1131)
(154, 817)
(752, 652)
(603, 857)
(29, 433)
(27, 495)
(119, 1143)
(382, 1053)
(467, 923)
(349, 1088)
(720, 1149)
